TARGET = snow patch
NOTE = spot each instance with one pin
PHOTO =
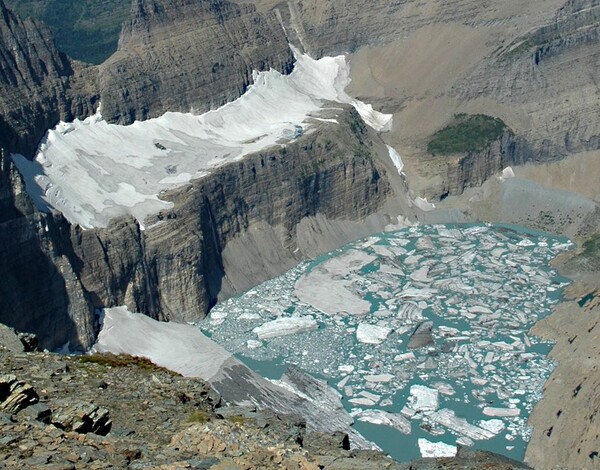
(93, 171)
(396, 159)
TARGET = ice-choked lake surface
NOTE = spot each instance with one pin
(424, 333)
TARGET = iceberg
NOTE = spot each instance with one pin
(393, 420)
(285, 326)
(423, 399)
(501, 412)
(460, 426)
(430, 449)
(371, 334)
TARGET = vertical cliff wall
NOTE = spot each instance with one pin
(186, 55)
(38, 86)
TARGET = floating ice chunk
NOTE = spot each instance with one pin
(393, 420)
(372, 334)
(420, 275)
(423, 398)
(417, 294)
(495, 426)
(362, 401)
(347, 368)
(383, 251)
(379, 378)
(253, 344)
(501, 412)
(285, 326)
(465, 441)
(330, 296)
(245, 316)
(342, 383)
(436, 449)
(480, 309)
(347, 262)
(444, 388)
(370, 396)
(460, 426)
(404, 357)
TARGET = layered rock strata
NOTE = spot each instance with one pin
(188, 56)
(38, 84)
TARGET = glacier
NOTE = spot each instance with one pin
(93, 171)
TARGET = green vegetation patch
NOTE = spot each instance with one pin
(468, 133)
(199, 416)
(122, 360)
(87, 30)
(591, 247)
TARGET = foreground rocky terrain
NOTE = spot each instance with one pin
(105, 411)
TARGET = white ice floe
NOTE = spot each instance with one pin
(362, 401)
(285, 326)
(423, 398)
(253, 344)
(501, 412)
(379, 378)
(393, 420)
(93, 171)
(371, 334)
(328, 295)
(495, 426)
(430, 449)
(460, 426)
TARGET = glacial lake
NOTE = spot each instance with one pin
(470, 376)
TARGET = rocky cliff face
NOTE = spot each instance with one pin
(38, 87)
(549, 75)
(187, 258)
(39, 292)
(38, 84)
(187, 56)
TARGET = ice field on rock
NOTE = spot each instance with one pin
(480, 287)
(93, 171)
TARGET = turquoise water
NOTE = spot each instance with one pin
(481, 286)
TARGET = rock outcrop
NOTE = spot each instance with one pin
(15, 394)
(188, 56)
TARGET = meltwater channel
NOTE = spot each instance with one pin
(423, 332)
